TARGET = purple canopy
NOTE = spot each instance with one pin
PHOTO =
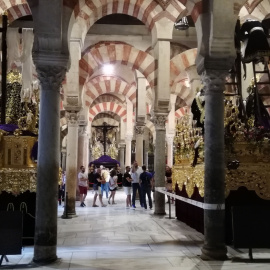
(106, 161)
(8, 127)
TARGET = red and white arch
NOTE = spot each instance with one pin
(86, 13)
(124, 54)
(117, 86)
(105, 107)
(15, 9)
(181, 62)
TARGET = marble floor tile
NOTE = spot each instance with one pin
(117, 238)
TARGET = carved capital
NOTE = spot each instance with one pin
(159, 121)
(72, 118)
(214, 81)
(121, 146)
(51, 77)
(82, 130)
(139, 130)
(51, 68)
(129, 137)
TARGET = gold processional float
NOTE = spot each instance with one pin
(247, 155)
(18, 172)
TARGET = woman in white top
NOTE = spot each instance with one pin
(113, 185)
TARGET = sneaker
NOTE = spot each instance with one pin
(81, 205)
(133, 206)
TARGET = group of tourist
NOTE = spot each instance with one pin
(135, 179)
(103, 180)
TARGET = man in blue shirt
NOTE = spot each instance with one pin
(146, 185)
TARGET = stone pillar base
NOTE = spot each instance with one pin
(214, 253)
(39, 257)
(159, 204)
(69, 211)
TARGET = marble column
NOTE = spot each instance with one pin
(128, 140)
(121, 147)
(146, 147)
(64, 157)
(159, 122)
(214, 182)
(83, 147)
(72, 157)
(51, 73)
(139, 132)
(169, 139)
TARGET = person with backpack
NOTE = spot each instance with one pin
(146, 186)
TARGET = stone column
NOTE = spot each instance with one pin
(121, 147)
(51, 72)
(128, 140)
(83, 148)
(146, 147)
(214, 182)
(169, 139)
(72, 157)
(159, 122)
(64, 157)
(139, 131)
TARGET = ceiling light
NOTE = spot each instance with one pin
(108, 69)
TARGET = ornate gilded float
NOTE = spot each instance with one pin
(18, 172)
(247, 155)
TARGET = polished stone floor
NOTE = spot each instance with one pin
(113, 237)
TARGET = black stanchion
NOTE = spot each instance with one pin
(65, 215)
(169, 206)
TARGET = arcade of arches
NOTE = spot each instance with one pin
(124, 63)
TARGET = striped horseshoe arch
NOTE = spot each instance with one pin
(86, 13)
(107, 107)
(125, 54)
(181, 62)
(113, 85)
(15, 9)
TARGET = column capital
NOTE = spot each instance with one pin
(72, 103)
(159, 120)
(83, 130)
(72, 118)
(51, 77)
(121, 145)
(214, 80)
(51, 69)
(129, 137)
(139, 130)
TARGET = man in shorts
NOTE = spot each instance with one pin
(83, 185)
